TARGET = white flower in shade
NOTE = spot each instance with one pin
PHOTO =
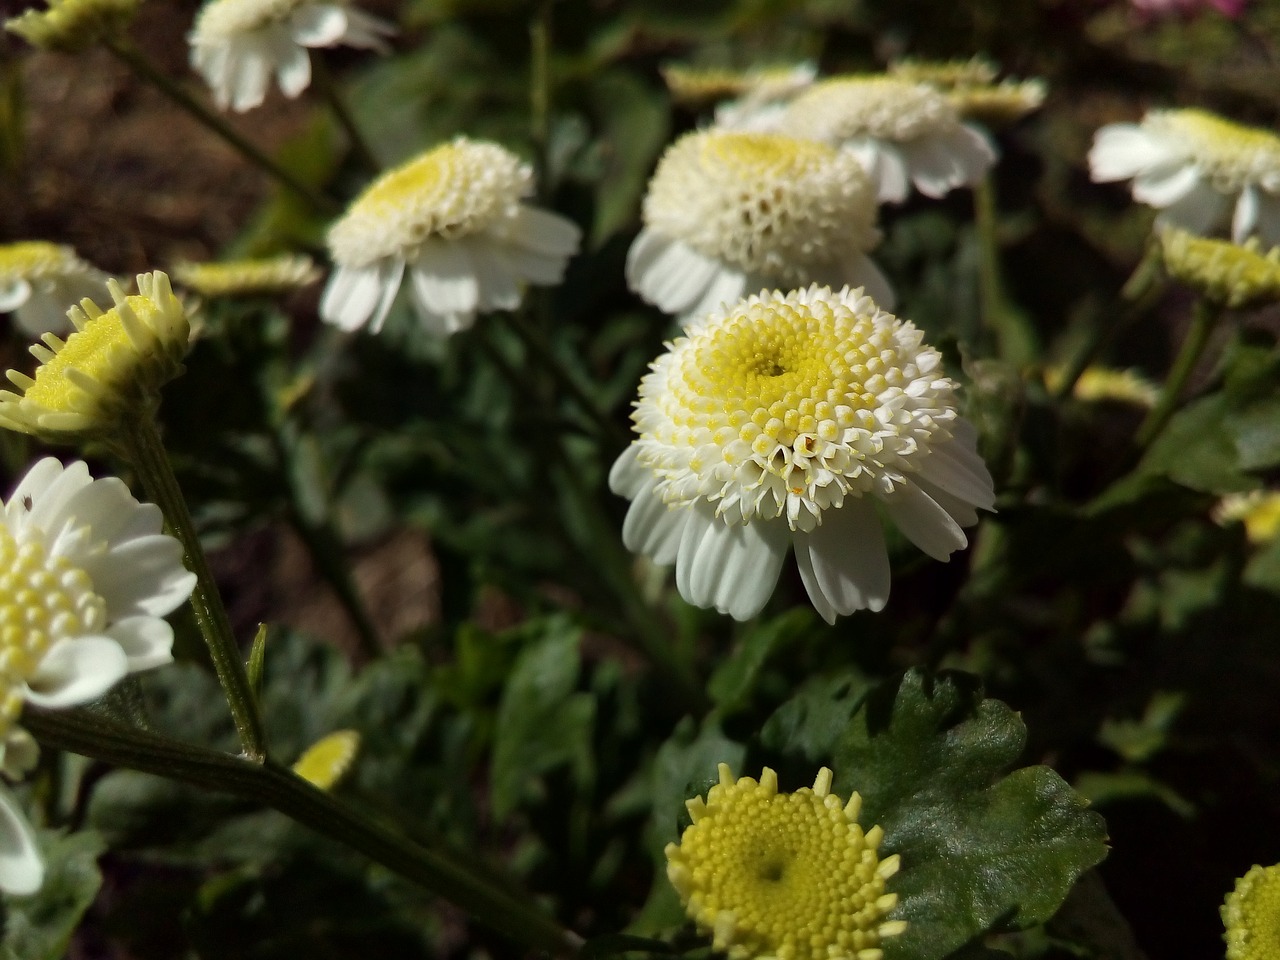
(238, 44)
(40, 281)
(1199, 170)
(788, 422)
(903, 133)
(453, 219)
(731, 213)
(88, 573)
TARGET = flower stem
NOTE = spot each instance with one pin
(142, 447)
(1015, 340)
(540, 84)
(328, 89)
(1204, 318)
(443, 873)
(148, 71)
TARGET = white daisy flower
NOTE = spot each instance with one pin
(40, 281)
(453, 218)
(764, 98)
(730, 213)
(88, 573)
(903, 133)
(790, 422)
(1199, 170)
(238, 44)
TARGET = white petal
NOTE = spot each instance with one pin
(498, 287)
(21, 869)
(627, 477)
(366, 30)
(351, 296)
(1200, 211)
(545, 232)
(843, 561)
(390, 276)
(293, 73)
(924, 522)
(732, 567)
(956, 468)
(76, 671)
(668, 273)
(1165, 185)
(147, 642)
(1246, 214)
(542, 269)
(444, 280)
(861, 271)
(885, 167)
(940, 163)
(962, 512)
(14, 294)
(248, 76)
(141, 576)
(727, 287)
(48, 487)
(318, 25)
(653, 528)
(1123, 150)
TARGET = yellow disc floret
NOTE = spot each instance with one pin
(1252, 916)
(110, 368)
(787, 404)
(790, 876)
(36, 260)
(239, 278)
(1233, 274)
(767, 204)
(68, 26)
(1230, 154)
(43, 599)
(880, 107)
(450, 192)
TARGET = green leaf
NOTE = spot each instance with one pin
(1198, 451)
(39, 927)
(979, 851)
(812, 722)
(635, 122)
(542, 723)
(732, 684)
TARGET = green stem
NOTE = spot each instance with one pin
(148, 71)
(439, 871)
(540, 84)
(537, 345)
(1203, 319)
(142, 447)
(1015, 341)
(328, 89)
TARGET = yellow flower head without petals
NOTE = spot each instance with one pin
(68, 26)
(785, 875)
(696, 86)
(112, 366)
(1251, 914)
(327, 760)
(946, 74)
(239, 278)
(1103, 383)
(1234, 274)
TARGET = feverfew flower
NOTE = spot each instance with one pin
(39, 281)
(762, 101)
(793, 875)
(452, 217)
(732, 213)
(903, 133)
(783, 422)
(238, 44)
(1233, 274)
(1198, 169)
(243, 278)
(1251, 914)
(109, 370)
(88, 575)
(970, 85)
(68, 26)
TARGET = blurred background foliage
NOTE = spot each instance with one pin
(426, 529)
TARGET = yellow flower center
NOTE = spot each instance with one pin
(43, 599)
(1233, 274)
(1252, 916)
(454, 190)
(327, 760)
(33, 259)
(769, 205)
(72, 25)
(1258, 510)
(884, 108)
(786, 875)
(223, 20)
(247, 277)
(1231, 154)
(788, 404)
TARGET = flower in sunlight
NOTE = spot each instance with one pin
(238, 44)
(327, 761)
(39, 281)
(454, 220)
(730, 213)
(788, 422)
(1233, 274)
(1251, 914)
(244, 278)
(971, 87)
(1257, 510)
(1199, 170)
(68, 26)
(88, 576)
(769, 874)
(1101, 384)
(902, 132)
(109, 369)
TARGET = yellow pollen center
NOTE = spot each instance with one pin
(43, 600)
(1231, 153)
(31, 259)
(1252, 916)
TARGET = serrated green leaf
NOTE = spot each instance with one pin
(811, 723)
(979, 851)
(39, 927)
(1198, 451)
